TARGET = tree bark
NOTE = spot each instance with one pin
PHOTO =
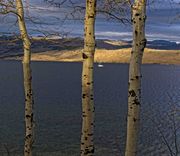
(134, 90)
(87, 143)
(29, 123)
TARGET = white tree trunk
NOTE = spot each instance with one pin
(87, 143)
(134, 91)
(27, 81)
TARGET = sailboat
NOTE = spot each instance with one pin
(100, 65)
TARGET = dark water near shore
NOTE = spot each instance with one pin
(58, 108)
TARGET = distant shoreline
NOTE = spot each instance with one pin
(107, 51)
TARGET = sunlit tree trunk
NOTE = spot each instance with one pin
(134, 91)
(87, 143)
(27, 81)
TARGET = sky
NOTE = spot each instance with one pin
(162, 22)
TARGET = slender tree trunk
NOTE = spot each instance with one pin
(27, 81)
(87, 139)
(134, 91)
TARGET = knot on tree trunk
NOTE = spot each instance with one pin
(86, 55)
(143, 43)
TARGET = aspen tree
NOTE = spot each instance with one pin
(134, 90)
(27, 80)
(87, 142)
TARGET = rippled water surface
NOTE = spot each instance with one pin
(57, 89)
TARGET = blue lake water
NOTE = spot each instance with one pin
(57, 89)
